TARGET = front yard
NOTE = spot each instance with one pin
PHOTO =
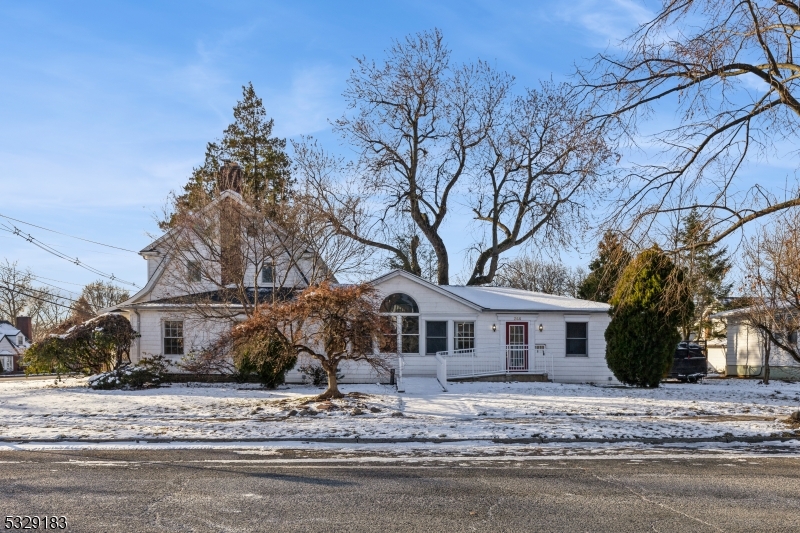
(41, 409)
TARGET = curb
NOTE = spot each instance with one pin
(357, 440)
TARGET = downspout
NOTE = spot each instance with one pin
(139, 331)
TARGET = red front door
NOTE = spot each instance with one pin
(517, 346)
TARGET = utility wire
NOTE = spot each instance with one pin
(67, 235)
(34, 296)
(54, 286)
(33, 240)
(37, 276)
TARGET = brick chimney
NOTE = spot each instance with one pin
(230, 177)
(24, 325)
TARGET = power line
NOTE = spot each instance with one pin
(53, 286)
(76, 261)
(36, 297)
(67, 235)
(37, 276)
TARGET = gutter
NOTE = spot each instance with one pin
(139, 331)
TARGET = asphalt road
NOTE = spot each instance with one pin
(185, 490)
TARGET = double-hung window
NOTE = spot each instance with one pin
(464, 335)
(267, 274)
(409, 334)
(435, 336)
(173, 337)
(577, 339)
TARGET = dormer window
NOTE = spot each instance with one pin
(193, 271)
(20, 340)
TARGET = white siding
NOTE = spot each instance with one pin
(432, 306)
(488, 343)
(745, 355)
(197, 333)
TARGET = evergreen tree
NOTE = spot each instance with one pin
(264, 164)
(649, 303)
(705, 268)
(605, 270)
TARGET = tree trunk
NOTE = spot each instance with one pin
(766, 363)
(333, 384)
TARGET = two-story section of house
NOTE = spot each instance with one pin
(204, 276)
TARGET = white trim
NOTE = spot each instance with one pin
(518, 317)
(577, 318)
(588, 336)
(416, 279)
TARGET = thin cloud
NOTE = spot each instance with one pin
(607, 21)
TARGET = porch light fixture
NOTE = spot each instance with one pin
(541, 328)
(494, 327)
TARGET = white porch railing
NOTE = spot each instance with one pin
(518, 360)
(462, 363)
(401, 363)
(441, 370)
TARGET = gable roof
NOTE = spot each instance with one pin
(6, 328)
(235, 196)
(140, 297)
(9, 332)
(503, 298)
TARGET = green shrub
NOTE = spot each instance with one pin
(649, 304)
(97, 345)
(264, 355)
(149, 372)
(316, 374)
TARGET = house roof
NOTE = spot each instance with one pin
(504, 298)
(221, 297)
(6, 328)
(508, 299)
(139, 299)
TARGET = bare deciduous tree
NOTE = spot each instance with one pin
(47, 307)
(16, 290)
(430, 133)
(773, 281)
(540, 276)
(727, 69)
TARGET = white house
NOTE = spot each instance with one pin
(744, 351)
(494, 330)
(441, 331)
(13, 344)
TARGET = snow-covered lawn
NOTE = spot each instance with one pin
(69, 410)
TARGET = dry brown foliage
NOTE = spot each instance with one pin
(325, 322)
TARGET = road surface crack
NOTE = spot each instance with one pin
(641, 495)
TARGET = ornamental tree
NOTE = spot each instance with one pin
(648, 306)
(326, 322)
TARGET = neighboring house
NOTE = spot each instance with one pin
(13, 344)
(745, 351)
(449, 331)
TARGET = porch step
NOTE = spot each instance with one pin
(504, 377)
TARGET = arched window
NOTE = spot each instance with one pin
(399, 303)
(400, 333)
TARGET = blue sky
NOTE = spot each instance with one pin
(106, 107)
